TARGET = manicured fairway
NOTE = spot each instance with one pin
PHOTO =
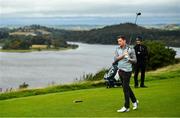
(161, 98)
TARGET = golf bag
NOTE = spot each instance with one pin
(109, 77)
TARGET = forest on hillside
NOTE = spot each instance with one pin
(105, 35)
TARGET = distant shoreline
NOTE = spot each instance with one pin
(35, 50)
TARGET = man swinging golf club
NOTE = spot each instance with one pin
(125, 57)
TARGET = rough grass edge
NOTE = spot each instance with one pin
(52, 89)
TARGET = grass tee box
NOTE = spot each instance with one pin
(160, 99)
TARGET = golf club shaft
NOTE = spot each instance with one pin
(137, 14)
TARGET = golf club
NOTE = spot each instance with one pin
(137, 14)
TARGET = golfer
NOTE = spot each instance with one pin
(125, 56)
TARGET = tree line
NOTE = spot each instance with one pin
(108, 34)
(25, 42)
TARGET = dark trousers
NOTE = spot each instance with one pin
(138, 67)
(128, 93)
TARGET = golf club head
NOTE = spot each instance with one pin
(138, 14)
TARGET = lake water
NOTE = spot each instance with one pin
(39, 69)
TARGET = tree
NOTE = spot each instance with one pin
(16, 44)
(159, 55)
(3, 33)
(59, 43)
(23, 86)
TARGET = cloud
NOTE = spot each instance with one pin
(87, 8)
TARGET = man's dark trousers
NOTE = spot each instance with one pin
(128, 93)
(142, 68)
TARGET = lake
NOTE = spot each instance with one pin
(39, 69)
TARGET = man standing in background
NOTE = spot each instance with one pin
(142, 57)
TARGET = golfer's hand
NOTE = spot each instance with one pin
(123, 56)
(120, 57)
(126, 54)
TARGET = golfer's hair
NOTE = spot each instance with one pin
(122, 37)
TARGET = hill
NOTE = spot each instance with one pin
(160, 99)
(24, 38)
(105, 35)
(108, 34)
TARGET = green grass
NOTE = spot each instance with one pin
(51, 89)
(20, 51)
(33, 50)
(160, 99)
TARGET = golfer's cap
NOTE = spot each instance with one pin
(138, 38)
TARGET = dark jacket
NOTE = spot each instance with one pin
(141, 54)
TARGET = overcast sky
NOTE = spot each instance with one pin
(107, 8)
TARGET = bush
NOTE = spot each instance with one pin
(23, 86)
(16, 44)
(98, 76)
(159, 55)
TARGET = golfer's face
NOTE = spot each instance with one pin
(121, 42)
(138, 42)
